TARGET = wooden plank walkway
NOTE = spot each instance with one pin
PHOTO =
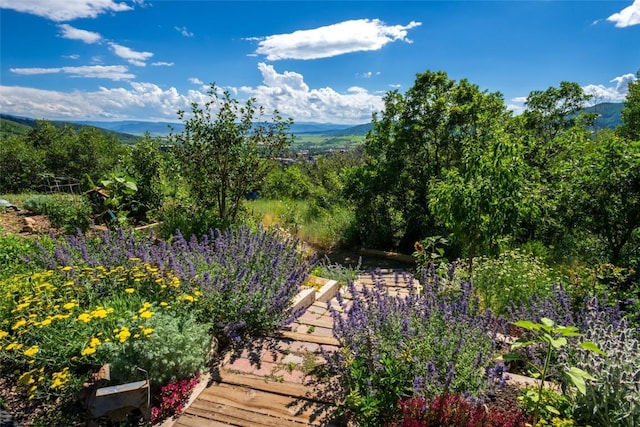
(279, 380)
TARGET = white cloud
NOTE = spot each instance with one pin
(141, 101)
(162, 64)
(332, 40)
(74, 56)
(184, 31)
(617, 93)
(69, 32)
(195, 80)
(287, 92)
(65, 10)
(291, 96)
(628, 16)
(133, 57)
(111, 72)
(395, 86)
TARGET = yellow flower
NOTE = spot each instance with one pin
(100, 313)
(163, 304)
(123, 335)
(21, 306)
(144, 307)
(26, 379)
(136, 336)
(67, 268)
(13, 346)
(69, 305)
(147, 331)
(87, 351)
(134, 259)
(20, 323)
(85, 317)
(45, 322)
(31, 351)
(94, 342)
(3, 334)
(188, 298)
(129, 290)
(146, 314)
(60, 378)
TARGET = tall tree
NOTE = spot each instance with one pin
(418, 138)
(630, 127)
(224, 150)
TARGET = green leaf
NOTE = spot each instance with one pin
(577, 377)
(547, 322)
(557, 343)
(527, 324)
(552, 409)
(588, 345)
(510, 357)
(521, 343)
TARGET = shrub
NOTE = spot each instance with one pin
(512, 277)
(248, 277)
(454, 410)
(175, 348)
(394, 346)
(69, 213)
(14, 254)
(613, 398)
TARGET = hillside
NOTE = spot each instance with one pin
(609, 114)
(12, 125)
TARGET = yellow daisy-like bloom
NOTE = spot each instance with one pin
(197, 293)
(146, 314)
(134, 259)
(26, 379)
(32, 351)
(187, 298)
(163, 304)
(3, 334)
(100, 313)
(69, 305)
(20, 323)
(94, 342)
(21, 306)
(123, 335)
(84, 317)
(45, 322)
(129, 290)
(144, 307)
(67, 268)
(147, 331)
(60, 379)
(136, 336)
(87, 351)
(13, 346)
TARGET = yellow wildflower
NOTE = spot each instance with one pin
(60, 378)
(20, 323)
(66, 268)
(123, 335)
(85, 317)
(146, 314)
(87, 351)
(3, 334)
(13, 346)
(45, 322)
(147, 331)
(31, 351)
(26, 379)
(187, 298)
(136, 336)
(100, 313)
(69, 305)
(129, 290)
(163, 304)
(21, 306)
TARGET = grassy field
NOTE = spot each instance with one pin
(316, 142)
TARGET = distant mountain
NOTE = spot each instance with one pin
(362, 129)
(164, 128)
(13, 125)
(609, 114)
(135, 127)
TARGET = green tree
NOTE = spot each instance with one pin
(630, 127)
(418, 138)
(225, 150)
(20, 165)
(145, 162)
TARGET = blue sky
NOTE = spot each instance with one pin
(315, 61)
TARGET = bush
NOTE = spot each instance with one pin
(512, 277)
(422, 344)
(186, 219)
(67, 212)
(15, 252)
(175, 349)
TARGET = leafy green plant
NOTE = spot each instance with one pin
(552, 404)
(176, 349)
(511, 278)
(69, 212)
(552, 337)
